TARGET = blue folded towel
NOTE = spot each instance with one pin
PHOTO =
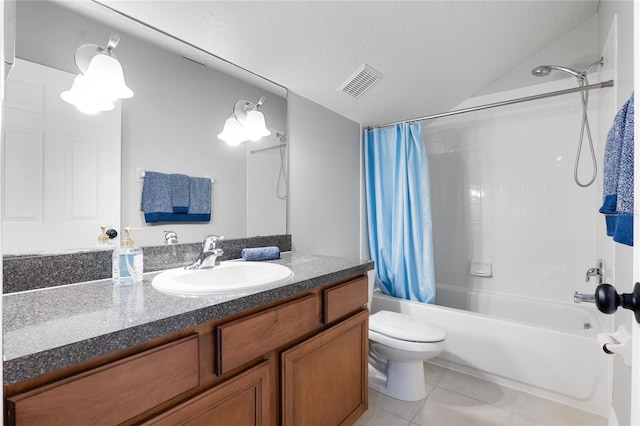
(162, 202)
(200, 197)
(180, 193)
(261, 253)
(618, 176)
(156, 194)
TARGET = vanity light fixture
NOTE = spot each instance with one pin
(245, 123)
(100, 82)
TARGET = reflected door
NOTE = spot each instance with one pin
(61, 167)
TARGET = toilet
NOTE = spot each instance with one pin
(398, 347)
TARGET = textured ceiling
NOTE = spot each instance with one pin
(432, 54)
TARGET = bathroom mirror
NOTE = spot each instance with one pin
(182, 97)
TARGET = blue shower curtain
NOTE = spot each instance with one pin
(399, 211)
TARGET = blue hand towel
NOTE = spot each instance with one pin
(261, 253)
(180, 193)
(156, 194)
(618, 176)
(200, 197)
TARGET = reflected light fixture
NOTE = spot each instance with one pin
(245, 123)
(100, 82)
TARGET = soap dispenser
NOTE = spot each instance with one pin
(104, 239)
(127, 262)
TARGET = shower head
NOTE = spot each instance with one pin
(541, 71)
(545, 70)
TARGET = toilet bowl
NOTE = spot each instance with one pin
(398, 347)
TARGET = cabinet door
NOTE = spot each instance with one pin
(241, 401)
(324, 379)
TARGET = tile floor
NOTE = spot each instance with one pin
(456, 399)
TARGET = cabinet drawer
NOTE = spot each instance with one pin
(115, 392)
(242, 340)
(344, 299)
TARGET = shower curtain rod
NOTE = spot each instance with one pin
(608, 83)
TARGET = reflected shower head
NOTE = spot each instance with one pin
(545, 70)
(541, 71)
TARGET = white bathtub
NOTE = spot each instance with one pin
(545, 348)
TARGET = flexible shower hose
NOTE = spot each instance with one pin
(585, 127)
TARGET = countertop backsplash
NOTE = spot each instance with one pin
(21, 273)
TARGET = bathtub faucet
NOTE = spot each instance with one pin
(594, 272)
(598, 271)
(581, 297)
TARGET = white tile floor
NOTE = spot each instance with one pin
(456, 399)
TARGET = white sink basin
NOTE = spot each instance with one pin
(225, 279)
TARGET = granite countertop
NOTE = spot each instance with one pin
(51, 328)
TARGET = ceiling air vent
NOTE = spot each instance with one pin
(360, 81)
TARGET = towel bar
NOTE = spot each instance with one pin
(140, 176)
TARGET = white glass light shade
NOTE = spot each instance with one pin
(105, 74)
(83, 97)
(99, 87)
(233, 132)
(255, 125)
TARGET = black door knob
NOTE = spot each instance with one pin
(608, 299)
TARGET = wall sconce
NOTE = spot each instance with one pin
(245, 123)
(100, 81)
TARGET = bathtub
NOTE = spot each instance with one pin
(545, 348)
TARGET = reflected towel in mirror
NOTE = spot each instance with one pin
(162, 193)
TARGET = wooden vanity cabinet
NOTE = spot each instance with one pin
(300, 361)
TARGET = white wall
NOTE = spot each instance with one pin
(324, 200)
(577, 49)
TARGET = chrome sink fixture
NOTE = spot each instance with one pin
(227, 278)
(209, 249)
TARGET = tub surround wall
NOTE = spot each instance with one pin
(21, 273)
(503, 192)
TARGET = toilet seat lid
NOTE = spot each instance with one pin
(404, 327)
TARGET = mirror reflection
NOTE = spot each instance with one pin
(62, 184)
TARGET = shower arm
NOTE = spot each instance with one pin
(608, 83)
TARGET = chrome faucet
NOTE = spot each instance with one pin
(170, 237)
(209, 249)
(581, 297)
